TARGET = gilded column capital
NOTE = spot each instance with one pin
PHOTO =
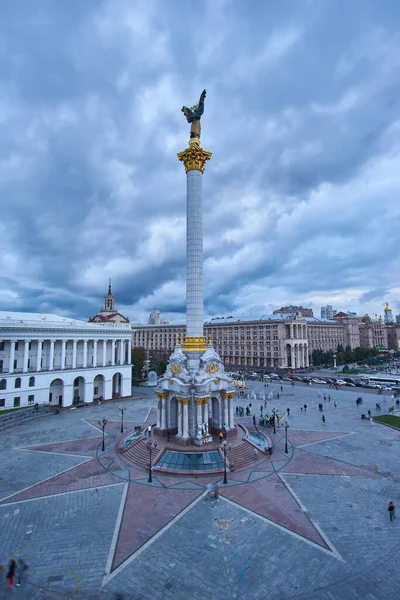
(194, 157)
(227, 394)
(162, 394)
(199, 400)
(206, 399)
(182, 400)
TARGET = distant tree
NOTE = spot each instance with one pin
(340, 348)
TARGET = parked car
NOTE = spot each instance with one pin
(349, 384)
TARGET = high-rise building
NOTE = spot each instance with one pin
(328, 311)
(155, 318)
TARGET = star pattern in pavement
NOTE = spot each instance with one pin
(147, 509)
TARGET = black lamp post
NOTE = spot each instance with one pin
(122, 409)
(224, 451)
(150, 446)
(103, 424)
(286, 428)
(274, 419)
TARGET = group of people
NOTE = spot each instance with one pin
(15, 572)
(240, 410)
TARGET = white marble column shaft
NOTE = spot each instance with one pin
(84, 355)
(26, 356)
(12, 356)
(51, 355)
(180, 412)
(74, 346)
(63, 347)
(39, 355)
(185, 432)
(194, 249)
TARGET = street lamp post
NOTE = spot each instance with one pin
(274, 419)
(286, 428)
(224, 451)
(122, 409)
(103, 424)
(150, 446)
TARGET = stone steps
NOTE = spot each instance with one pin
(241, 456)
(138, 453)
(19, 417)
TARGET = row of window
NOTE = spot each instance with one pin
(17, 383)
(17, 401)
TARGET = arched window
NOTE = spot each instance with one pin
(3, 384)
(31, 381)
(18, 382)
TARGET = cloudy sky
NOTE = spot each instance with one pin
(301, 197)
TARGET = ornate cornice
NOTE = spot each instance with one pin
(194, 158)
(195, 344)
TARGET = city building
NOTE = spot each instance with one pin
(294, 310)
(50, 359)
(327, 312)
(155, 318)
(270, 341)
(351, 328)
(373, 334)
(107, 313)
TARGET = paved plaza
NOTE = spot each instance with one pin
(310, 524)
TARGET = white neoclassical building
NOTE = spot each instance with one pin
(46, 358)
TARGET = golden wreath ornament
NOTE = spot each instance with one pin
(212, 368)
(176, 369)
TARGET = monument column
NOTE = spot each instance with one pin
(194, 159)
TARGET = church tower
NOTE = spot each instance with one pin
(109, 300)
(388, 318)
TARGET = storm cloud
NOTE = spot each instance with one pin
(303, 119)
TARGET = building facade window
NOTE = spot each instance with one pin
(17, 401)
(31, 381)
(15, 363)
(1, 346)
(2, 402)
(31, 399)
(3, 384)
(18, 382)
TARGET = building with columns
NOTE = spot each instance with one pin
(46, 358)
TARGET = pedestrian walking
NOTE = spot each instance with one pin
(288, 411)
(220, 435)
(371, 421)
(12, 565)
(277, 395)
(255, 452)
(335, 404)
(281, 388)
(323, 418)
(305, 407)
(392, 511)
(21, 570)
(168, 435)
(329, 397)
(149, 430)
(254, 419)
